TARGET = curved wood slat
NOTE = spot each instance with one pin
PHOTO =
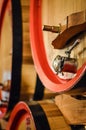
(67, 34)
(75, 24)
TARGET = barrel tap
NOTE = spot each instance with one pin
(59, 61)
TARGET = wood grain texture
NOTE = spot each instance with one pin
(54, 13)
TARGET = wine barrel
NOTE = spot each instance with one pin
(39, 115)
(52, 13)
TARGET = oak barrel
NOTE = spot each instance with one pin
(39, 115)
(54, 13)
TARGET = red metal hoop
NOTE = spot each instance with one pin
(4, 4)
(20, 112)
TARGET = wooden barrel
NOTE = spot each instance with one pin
(41, 115)
(52, 13)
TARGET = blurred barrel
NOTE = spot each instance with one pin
(40, 115)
